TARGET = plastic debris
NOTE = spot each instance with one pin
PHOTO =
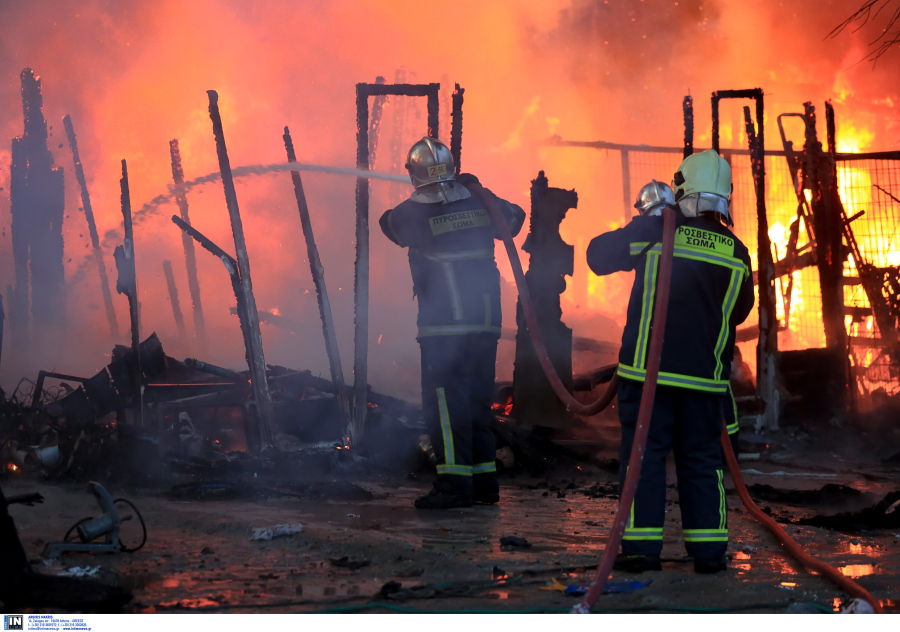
(80, 571)
(267, 533)
(858, 606)
(575, 590)
(514, 541)
(346, 562)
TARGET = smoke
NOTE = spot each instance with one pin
(150, 209)
(133, 75)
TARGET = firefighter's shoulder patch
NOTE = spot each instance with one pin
(705, 240)
(476, 218)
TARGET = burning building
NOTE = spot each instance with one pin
(815, 200)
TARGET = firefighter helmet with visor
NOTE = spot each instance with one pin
(653, 196)
(702, 184)
(429, 161)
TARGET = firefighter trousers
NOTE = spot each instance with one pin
(457, 386)
(690, 423)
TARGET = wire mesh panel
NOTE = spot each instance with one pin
(871, 187)
(799, 297)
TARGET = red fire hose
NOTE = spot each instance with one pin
(643, 423)
(808, 561)
(629, 489)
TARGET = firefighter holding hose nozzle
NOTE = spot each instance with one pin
(711, 294)
(456, 282)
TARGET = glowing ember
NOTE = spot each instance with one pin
(857, 570)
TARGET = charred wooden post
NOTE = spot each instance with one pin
(767, 347)
(38, 203)
(828, 229)
(257, 359)
(190, 257)
(2, 322)
(375, 121)
(446, 106)
(212, 369)
(456, 123)
(551, 260)
(92, 228)
(318, 275)
(361, 277)
(127, 285)
(19, 306)
(687, 108)
(173, 297)
(252, 423)
(627, 200)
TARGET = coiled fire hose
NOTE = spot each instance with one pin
(626, 498)
(807, 560)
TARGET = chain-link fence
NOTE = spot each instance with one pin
(870, 186)
(868, 183)
(798, 296)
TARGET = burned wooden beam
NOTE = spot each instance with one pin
(257, 358)
(828, 227)
(190, 257)
(687, 107)
(252, 425)
(318, 276)
(42, 201)
(767, 347)
(361, 268)
(18, 294)
(218, 371)
(173, 297)
(456, 122)
(551, 260)
(92, 228)
(627, 200)
(231, 266)
(127, 285)
(375, 121)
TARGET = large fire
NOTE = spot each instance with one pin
(133, 75)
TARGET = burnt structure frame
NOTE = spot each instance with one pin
(361, 272)
(767, 347)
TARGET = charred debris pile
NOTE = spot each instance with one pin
(191, 421)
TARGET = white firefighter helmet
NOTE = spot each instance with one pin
(429, 161)
(702, 184)
(653, 196)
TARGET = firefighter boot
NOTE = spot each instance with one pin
(437, 499)
(637, 563)
(709, 565)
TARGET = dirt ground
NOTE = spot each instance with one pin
(199, 555)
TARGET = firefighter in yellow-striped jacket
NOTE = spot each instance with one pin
(457, 284)
(711, 293)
